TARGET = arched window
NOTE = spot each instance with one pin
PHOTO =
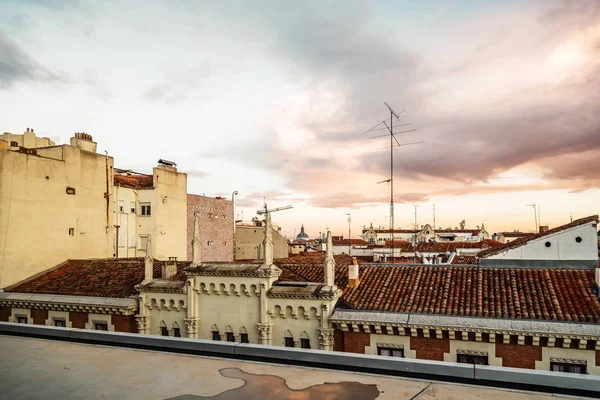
(304, 340)
(244, 335)
(288, 339)
(229, 334)
(215, 333)
(176, 330)
(164, 331)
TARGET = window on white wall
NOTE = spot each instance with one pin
(143, 242)
(472, 359)
(132, 207)
(101, 326)
(60, 322)
(22, 319)
(145, 209)
(121, 240)
(121, 206)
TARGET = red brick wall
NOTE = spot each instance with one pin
(4, 313)
(213, 227)
(39, 316)
(355, 342)
(124, 323)
(429, 348)
(78, 319)
(523, 356)
(338, 340)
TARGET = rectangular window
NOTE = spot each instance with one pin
(101, 326)
(289, 342)
(121, 240)
(390, 352)
(567, 367)
(143, 242)
(22, 320)
(60, 322)
(230, 337)
(145, 209)
(121, 206)
(305, 343)
(164, 331)
(71, 231)
(176, 332)
(470, 359)
(215, 335)
(132, 207)
(132, 240)
(244, 338)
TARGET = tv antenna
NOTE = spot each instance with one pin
(349, 235)
(535, 216)
(390, 129)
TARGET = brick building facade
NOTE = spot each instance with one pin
(216, 221)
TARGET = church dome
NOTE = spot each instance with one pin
(302, 235)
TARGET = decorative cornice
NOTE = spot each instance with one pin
(94, 305)
(472, 352)
(568, 360)
(390, 345)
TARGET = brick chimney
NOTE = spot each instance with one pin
(543, 228)
(353, 277)
(169, 269)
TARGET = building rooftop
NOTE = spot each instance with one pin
(132, 180)
(508, 293)
(109, 277)
(60, 371)
(526, 239)
(348, 242)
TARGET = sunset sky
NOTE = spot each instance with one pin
(272, 99)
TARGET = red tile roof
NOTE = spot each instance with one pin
(526, 239)
(452, 246)
(508, 293)
(108, 277)
(515, 234)
(347, 242)
(399, 244)
(465, 259)
(136, 181)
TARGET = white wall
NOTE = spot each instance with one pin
(563, 246)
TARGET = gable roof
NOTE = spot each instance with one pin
(515, 234)
(109, 277)
(526, 239)
(508, 293)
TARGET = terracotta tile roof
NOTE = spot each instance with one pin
(508, 293)
(452, 246)
(108, 277)
(347, 242)
(134, 181)
(514, 234)
(523, 240)
(399, 244)
(465, 259)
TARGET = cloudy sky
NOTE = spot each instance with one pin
(272, 99)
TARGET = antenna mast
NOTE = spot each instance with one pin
(349, 235)
(393, 139)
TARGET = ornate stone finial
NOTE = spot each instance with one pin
(329, 264)
(268, 241)
(196, 243)
(148, 261)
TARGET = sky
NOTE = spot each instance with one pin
(272, 99)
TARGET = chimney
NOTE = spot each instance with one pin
(543, 228)
(196, 243)
(353, 277)
(148, 262)
(329, 264)
(169, 268)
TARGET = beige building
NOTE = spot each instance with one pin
(249, 242)
(28, 140)
(151, 206)
(53, 204)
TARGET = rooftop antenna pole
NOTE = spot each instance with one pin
(349, 235)
(415, 240)
(434, 222)
(393, 139)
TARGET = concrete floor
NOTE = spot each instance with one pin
(43, 369)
